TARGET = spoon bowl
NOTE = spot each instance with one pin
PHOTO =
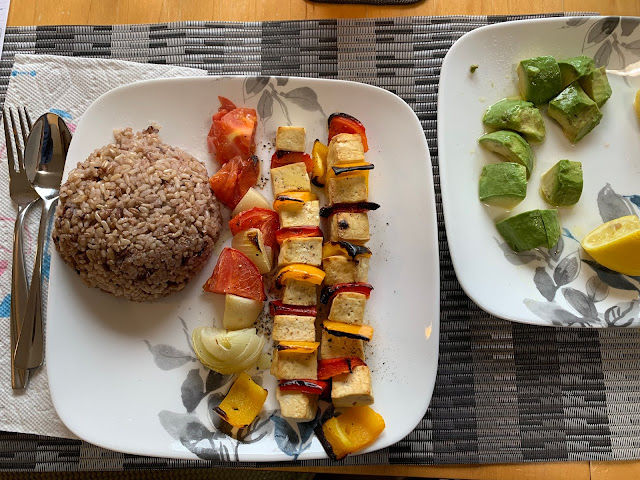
(46, 153)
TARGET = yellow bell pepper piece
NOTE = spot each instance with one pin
(354, 429)
(331, 173)
(291, 346)
(339, 329)
(319, 157)
(331, 249)
(300, 271)
(293, 200)
(243, 402)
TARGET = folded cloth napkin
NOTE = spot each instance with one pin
(66, 86)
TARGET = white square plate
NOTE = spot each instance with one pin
(561, 287)
(122, 375)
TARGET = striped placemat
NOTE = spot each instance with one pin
(505, 392)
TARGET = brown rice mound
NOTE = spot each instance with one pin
(137, 218)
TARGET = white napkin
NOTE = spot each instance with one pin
(66, 86)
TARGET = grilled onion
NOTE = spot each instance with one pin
(225, 351)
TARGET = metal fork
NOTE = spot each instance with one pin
(25, 197)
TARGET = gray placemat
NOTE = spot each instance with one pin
(505, 392)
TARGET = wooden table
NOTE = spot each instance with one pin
(61, 12)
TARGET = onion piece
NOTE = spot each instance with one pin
(227, 352)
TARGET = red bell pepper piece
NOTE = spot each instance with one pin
(330, 367)
(303, 385)
(328, 292)
(283, 233)
(276, 307)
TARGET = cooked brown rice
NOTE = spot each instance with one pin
(137, 218)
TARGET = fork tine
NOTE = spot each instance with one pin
(9, 143)
(16, 138)
(25, 132)
(26, 114)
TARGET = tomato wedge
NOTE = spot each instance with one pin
(234, 179)
(232, 132)
(330, 367)
(284, 157)
(331, 291)
(265, 220)
(278, 308)
(343, 123)
(290, 232)
(235, 273)
(226, 104)
(304, 386)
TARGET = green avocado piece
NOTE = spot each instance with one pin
(503, 184)
(574, 68)
(532, 229)
(518, 115)
(596, 85)
(539, 79)
(562, 184)
(575, 112)
(511, 146)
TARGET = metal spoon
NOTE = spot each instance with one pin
(44, 158)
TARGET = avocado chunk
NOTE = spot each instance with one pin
(503, 184)
(576, 113)
(532, 229)
(517, 115)
(596, 85)
(562, 184)
(511, 146)
(539, 79)
(575, 68)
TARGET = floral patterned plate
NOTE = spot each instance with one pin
(562, 286)
(122, 374)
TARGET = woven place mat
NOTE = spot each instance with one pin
(505, 392)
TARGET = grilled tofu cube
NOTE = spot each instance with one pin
(347, 189)
(337, 347)
(292, 139)
(352, 389)
(301, 250)
(294, 327)
(338, 269)
(306, 216)
(297, 292)
(348, 307)
(345, 148)
(297, 406)
(352, 227)
(292, 366)
(362, 268)
(290, 178)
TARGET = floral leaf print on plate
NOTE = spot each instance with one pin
(579, 305)
(211, 438)
(293, 438)
(607, 39)
(304, 98)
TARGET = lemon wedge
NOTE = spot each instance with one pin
(616, 245)
(637, 104)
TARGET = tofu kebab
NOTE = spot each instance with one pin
(295, 361)
(345, 261)
(350, 424)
